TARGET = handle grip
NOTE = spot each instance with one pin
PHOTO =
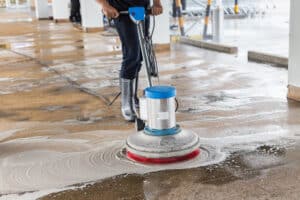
(126, 12)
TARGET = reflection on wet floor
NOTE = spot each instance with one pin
(58, 133)
(159, 185)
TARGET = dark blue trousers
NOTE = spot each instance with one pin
(75, 11)
(132, 55)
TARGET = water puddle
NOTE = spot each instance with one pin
(41, 163)
(45, 163)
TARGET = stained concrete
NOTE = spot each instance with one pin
(59, 139)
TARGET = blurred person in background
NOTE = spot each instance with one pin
(75, 16)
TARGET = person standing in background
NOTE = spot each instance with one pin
(75, 16)
(183, 2)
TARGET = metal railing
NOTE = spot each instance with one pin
(199, 10)
(198, 7)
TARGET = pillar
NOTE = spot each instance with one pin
(236, 7)
(91, 16)
(294, 58)
(7, 2)
(206, 20)
(217, 22)
(61, 10)
(161, 37)
(41, 9)
(32, 4)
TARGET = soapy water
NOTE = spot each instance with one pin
(34, 167)
(38, 165)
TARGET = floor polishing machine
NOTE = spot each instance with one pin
(159, 139)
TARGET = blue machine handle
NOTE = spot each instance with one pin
(137, 13)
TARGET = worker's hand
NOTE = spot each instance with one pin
(157, 8)
(109, 11)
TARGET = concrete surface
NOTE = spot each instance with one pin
(209, 45)
(294, 92)
(59, 139)
(4, 45)
(268, 58)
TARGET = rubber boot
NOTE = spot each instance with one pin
(126, 86)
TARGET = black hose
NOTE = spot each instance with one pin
(177, 104)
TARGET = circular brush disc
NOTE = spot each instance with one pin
(146, 148)
(166, 160)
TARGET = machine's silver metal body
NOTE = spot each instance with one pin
(161, 113)
(158, 113)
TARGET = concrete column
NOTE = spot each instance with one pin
(7, 2)
(294, 58)
(41, 9)
(217, 22)
(91, 16)
(61, 10)
(161, 35)
(32, 4)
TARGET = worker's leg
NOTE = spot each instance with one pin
(73, 11)
(174, 12)
(130, 64)
(183, 2)
(77, 11)
(130, 47)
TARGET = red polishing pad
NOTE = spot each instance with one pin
(145, 160)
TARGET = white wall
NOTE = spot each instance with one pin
(91, 14)
(294, 57)
(162, 29)
(41, 9)
(61, 9)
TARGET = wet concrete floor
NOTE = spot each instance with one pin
(265, 30)
(60, 139)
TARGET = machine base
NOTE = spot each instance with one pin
(170, 160)
(151, 149)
